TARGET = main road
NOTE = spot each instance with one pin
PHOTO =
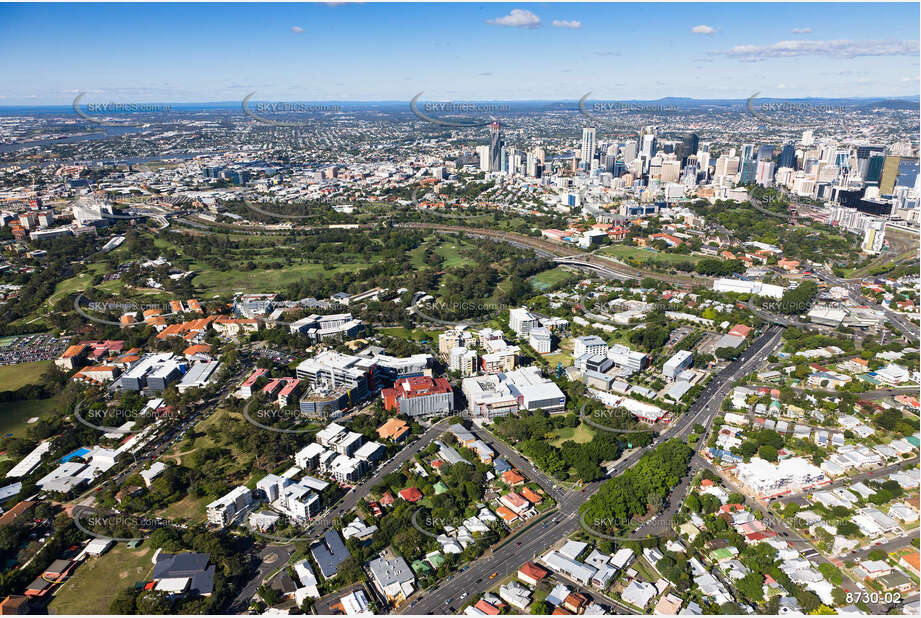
(526, 545)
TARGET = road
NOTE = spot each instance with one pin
(272, 558)
(319, 525)
(908, 329)
(519, 461)
(889, 546)
(527, 545)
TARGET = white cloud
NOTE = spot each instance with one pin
(517, 18)
(562, 23)
(841, 48)
(909, 79)
(703, 29)
(296, 29)
(805, 30)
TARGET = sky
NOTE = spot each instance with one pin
(134, 53)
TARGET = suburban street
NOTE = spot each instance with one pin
(531, 542)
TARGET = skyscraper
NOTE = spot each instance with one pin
(648, 147)
(588, 145)
(748, 171)
(630, 150)
(483, 154)
(748, 151)
(787, 156)
(495, 147)
(765, 153)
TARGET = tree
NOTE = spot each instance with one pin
(750, 587)
(767, 452)
(540, 608)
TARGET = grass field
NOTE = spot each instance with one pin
(14, 415)
(417, 334)
(579, 434)
(640, 253)
(549, 278)
(265, 280)
(189, 508)
(96, 582)
(15, 376)
(448, 251)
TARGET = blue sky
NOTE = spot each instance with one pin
(475, 51)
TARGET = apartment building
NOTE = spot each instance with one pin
(522, 321)
(223, 510)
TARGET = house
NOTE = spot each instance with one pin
(487, 608)
(528, 494)
(392, 577)
(395, 430)
(354, 603)
(667, 605)
(896, 580)
(910, 561)
(14, 605)
(873, 569)
(329, 553)
(411, 495)
(532, 574)
(307, 580)
(515, 502)
(512, 478)
(189, 569)
(638, 593)
(575, 602)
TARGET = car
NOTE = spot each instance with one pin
(463, 595)
(517, 543)
(494, 575)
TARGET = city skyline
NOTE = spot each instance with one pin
(505, 52)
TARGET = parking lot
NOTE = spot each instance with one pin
(30, 348)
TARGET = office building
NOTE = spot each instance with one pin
(676, 364)
(421, 396)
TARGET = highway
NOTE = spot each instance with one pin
(533, 541)
(901, 321)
